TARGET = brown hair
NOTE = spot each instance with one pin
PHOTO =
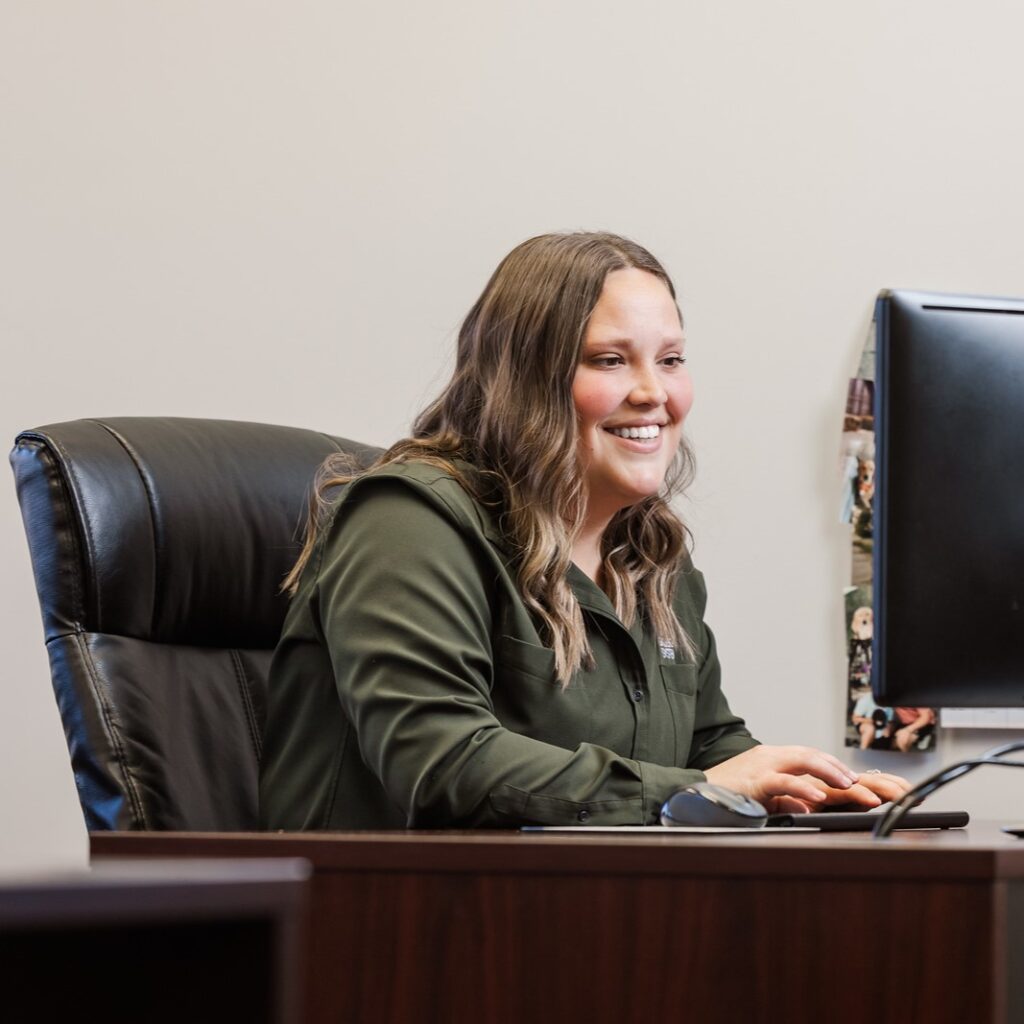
(508, 410)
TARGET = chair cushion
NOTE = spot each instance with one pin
(180, 752)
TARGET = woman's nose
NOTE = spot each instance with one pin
(647, 389)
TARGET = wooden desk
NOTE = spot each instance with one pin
(495, 926)
(152, 941)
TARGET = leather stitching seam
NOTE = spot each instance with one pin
(247, 704)
(90, 560)
(150, 497)
(112, 731)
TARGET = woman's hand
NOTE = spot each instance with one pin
(793, 780)
(800, 774)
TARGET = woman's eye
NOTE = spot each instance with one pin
(673, 361)
(607, 361)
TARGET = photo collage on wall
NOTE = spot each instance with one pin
(868, 726)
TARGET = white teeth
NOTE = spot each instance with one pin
(636, 433)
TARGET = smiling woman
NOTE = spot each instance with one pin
(499, 623)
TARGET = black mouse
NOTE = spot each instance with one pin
(704, 803)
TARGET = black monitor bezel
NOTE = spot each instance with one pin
(981, 691)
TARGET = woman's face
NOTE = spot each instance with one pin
(632, 392)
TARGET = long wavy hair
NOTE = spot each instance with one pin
(508, 411)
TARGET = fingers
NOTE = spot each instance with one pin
(816, 763)
(859, 795)
(842, 768)
(788, 805)
(800, 787)
(870, 790)
(805, 774)
(886, 786)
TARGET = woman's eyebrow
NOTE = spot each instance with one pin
(613, 341)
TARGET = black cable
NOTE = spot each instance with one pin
(892, 817)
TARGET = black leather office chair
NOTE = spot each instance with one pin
(158, 547)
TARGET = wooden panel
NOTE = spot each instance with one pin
(508, 948)
(471, 926)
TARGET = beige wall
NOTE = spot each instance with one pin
(280, 211)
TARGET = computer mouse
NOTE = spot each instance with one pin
(704, 803)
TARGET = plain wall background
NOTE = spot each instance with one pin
(280, 212)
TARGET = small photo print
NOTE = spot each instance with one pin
(868, 725)
(860, 406)
(857, 459)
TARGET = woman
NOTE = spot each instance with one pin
(499, 624)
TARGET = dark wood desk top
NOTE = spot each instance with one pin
(981, 851)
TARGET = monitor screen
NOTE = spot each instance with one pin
(949, 501)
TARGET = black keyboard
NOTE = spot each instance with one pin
(865, 821)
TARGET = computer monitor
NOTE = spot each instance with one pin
(949, 501)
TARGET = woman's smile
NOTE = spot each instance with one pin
(639, 433)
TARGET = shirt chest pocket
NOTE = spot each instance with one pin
(529, 700)
(680, 682)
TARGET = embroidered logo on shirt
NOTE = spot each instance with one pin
(666, 649)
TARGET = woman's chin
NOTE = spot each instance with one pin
(638, 492)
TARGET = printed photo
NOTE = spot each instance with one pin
(870, 726)
(858, 476)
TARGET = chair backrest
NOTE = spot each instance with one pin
(159, 546)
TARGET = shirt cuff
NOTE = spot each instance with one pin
(659, 783)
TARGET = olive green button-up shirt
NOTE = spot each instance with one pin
(410, 687)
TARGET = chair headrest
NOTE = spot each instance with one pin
(174, 530)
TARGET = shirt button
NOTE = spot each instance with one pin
(583, 816)
(638, 695)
